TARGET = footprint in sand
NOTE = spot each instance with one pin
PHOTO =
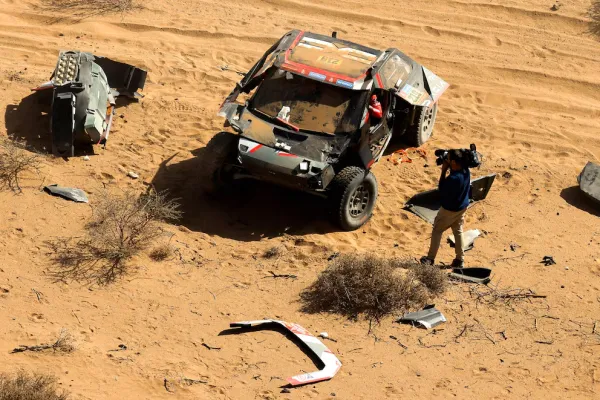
(432, 31)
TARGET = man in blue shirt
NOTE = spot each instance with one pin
(455, 193)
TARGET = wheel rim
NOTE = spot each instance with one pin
(428, 121)
(359, 201)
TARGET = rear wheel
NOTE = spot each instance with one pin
(353, 195)
(421, 131)
(218, 153)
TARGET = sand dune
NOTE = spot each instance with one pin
(525, 86)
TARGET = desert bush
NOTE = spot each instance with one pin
(431, 277)
(64, 343)
(594, 15)
(89, 8)
(25, 386)
(122, 226)
(365, 284)
(161, 252)
(272, 252)
(15, 160)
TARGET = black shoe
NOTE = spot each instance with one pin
(426, 261)
(458, 263)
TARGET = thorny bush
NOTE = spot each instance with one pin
(121, 227)
(15, 160)
(25, 386)
(371, 285)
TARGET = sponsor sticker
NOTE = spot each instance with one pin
(315, 75)
(345, 84)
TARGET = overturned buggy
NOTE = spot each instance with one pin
(307, 123)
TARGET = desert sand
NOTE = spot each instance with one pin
(525, 87)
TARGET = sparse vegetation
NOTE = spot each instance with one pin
(15, 160)
(273, 252)
(371, 285)
(65, 343)
(121, 227)
(89, 8)
(594, 14)
(25, 386)
(162, 252)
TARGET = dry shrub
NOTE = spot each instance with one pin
(275, 251)
(15, 160)
(25, 386)
(430, 276)
(162, 252)
(365, 284)
(88, 8)
(65, 343)
(594, 15)
(122, 226)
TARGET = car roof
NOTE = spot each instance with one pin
(332, 55)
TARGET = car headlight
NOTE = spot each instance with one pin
(304, 165)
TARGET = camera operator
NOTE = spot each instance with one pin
(454, 192)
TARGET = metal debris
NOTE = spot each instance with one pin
(74, 194)
(468, 239)
(331, 364)
(548, 261)
(474, 275)
(428, 318)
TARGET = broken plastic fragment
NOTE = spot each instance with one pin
(468, 239)
(74, 194)
(429, 317)
(331, 364)
(474, 275)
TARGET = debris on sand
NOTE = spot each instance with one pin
(74, 194)
(331, 364)
(427, 318)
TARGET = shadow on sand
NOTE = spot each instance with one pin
(253, 211)
(29, 122)
(575, 197)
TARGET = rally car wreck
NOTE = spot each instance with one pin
(307, 124)
(84, 89)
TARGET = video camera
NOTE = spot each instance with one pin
(469, 157)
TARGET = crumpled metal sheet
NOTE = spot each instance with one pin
(474, 275)
(74, 194)
(428, 318)
(589, 181)
(331, 363)
(468, 239)
(427, 204)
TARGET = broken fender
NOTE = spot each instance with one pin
(331, 364)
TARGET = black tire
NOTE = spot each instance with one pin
(353, 193)
(219, 151)
(419, 133)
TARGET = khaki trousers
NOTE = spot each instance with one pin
(448, 219)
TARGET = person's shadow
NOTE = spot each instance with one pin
(252, 211)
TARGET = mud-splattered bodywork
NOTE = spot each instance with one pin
(309, 102)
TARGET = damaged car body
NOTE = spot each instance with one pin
(306, 123)
(330, 364)
(84, 89)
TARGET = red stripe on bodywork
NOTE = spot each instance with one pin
(256, 148)
(282, 154)
(370, 163)
(379, 81)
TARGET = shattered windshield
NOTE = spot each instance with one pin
(313, 106)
